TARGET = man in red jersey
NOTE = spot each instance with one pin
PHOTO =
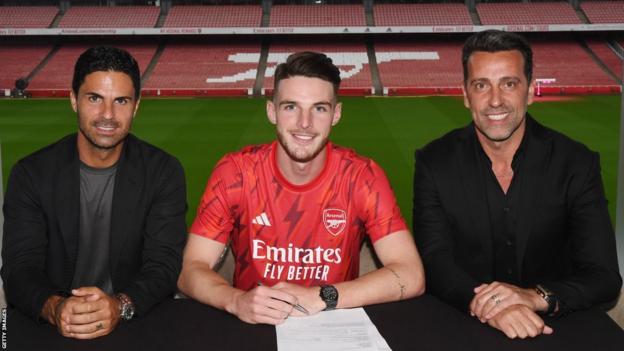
(296, 211)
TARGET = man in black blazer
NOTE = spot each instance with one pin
(94, 223)
(510, 216)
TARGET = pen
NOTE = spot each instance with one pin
(296, 306)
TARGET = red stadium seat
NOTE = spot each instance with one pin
(600, 48)
(317, 16)
(350, 57)
(18, 60)
(604, 11)
(567, 62)
(110, 17)
(57, 73)
(527, 13)
(431, 64)
(27, 16)
(421, 14)
(214, 16)
(206, 65)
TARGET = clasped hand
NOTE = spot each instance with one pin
(510, 309)
(87, 314)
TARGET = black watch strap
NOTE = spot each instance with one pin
(549, 297)
(329, 294)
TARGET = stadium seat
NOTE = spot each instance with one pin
(27, 16)
(421, 14)
(350, 57)
(214, 16)
(604, 11)
(110, 17)
(527, 13)
(18, 60)
(57, 73)
(207, 65)
(431, 64)
(317, 16)
(606, 55)
(567, 62)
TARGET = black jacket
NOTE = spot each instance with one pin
(41, 219)
(564, 237)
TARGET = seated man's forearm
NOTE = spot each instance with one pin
(392, 282)
(203, 284)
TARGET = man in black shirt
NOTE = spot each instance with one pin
(94, 223)
(510, 216)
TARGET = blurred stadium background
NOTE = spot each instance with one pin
(207, 66)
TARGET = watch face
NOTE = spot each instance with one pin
(127, 312)
(329, 294)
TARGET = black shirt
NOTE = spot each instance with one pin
(503, 213)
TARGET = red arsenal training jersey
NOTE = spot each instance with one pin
(309, 234)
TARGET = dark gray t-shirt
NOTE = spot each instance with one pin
(96, 200)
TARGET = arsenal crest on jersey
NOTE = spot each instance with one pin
(335, 220)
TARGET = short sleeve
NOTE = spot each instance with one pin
(219, 204)
(376, 203)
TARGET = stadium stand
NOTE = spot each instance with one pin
(421, 14)
(214, 16)
(527, 13)
(350, 57)
(110, 17)
(317, 16)
(571, 67)
(55, 78)
(205, 67)
(410, 67)
(27, 16)
(604, 11)
(18, 60)
(606, 55)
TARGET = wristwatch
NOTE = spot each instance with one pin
(548, 296)
(126, 307)
(329, 294)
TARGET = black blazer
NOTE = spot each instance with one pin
(564, 238)
(41, 218)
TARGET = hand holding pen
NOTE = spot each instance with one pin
(296, 306)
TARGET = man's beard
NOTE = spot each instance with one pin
(294, 156)
(93, 142)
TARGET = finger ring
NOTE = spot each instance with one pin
(496, 299)
(99, 326)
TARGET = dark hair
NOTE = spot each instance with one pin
(308, 64)
(104, 58)
(494, 41)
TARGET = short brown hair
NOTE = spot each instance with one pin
(308, 64)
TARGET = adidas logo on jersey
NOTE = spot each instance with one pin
(262, 219)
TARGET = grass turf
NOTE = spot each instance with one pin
(200, 131)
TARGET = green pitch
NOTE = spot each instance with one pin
(200, 131)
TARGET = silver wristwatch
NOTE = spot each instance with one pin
(126, 307)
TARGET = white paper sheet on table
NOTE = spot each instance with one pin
(345, 329)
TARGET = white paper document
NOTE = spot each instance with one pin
(345, 329)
